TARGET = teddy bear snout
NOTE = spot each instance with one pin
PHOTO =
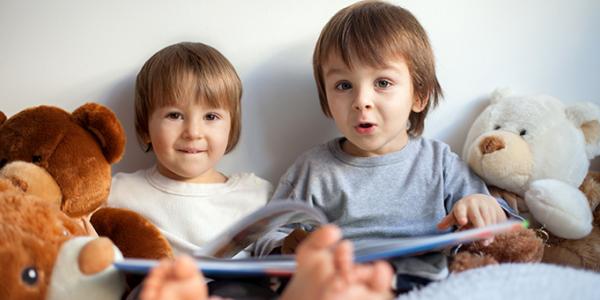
(33, 180)
(491, 144)
(96, 256)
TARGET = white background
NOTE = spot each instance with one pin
(65, 53)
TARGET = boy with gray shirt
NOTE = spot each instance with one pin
(375, 74)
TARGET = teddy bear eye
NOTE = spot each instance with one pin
(36, 159)
(496, 127)
(30, 275)
(522, 132)
(3, 162)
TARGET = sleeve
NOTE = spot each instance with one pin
(460, 181)
(285, 190)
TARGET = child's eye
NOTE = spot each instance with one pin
(211, 117)
(174, 116)
(344, 85)
(382, 83)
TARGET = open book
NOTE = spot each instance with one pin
(215, 258)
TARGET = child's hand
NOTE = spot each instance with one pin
(476, 210)
(291, 242)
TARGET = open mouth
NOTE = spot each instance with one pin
(365, 128)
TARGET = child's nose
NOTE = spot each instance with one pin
(193, 130)
(362, 106)
(362, 101)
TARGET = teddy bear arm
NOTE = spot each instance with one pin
(561, 208)
(133, 234)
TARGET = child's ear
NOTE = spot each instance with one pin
(419, 104)
(147, 142)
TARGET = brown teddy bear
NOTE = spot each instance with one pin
(45, 255)
(32, 231)
(522, 246)
(77, 150)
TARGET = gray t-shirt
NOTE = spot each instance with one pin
(399, 194)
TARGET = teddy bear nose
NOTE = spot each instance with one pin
(491, 144)
(96, 256)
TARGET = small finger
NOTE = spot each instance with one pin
(154, 280)
(344, 259)
(494, 215)
(475, 218)
(446, 222)
(382, 276)
(184, 267)
(486, 216)
(324, 237)
(501, 215)
(460, 214)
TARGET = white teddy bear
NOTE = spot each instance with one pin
(540, 149)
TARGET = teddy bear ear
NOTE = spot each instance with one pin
(586, 116)
(499, 94)
(105, 126)
(2, 118)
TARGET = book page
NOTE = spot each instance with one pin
(262, 221)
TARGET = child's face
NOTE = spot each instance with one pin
(189, 140)
(370, 106)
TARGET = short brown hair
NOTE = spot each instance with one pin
(187, 72)
(371, 32)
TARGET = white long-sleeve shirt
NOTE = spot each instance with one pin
(188, 214)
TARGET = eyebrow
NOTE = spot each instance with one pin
(333, 71)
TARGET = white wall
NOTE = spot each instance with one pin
(67, 52)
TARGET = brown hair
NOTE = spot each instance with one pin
(187, 72)
(370, 32)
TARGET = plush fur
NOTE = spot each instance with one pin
(32, 231)
(76, 149)
(535, 152)
(46, 255)
(63, 160)
(583, 252)
(134, 234)
(523, 246)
